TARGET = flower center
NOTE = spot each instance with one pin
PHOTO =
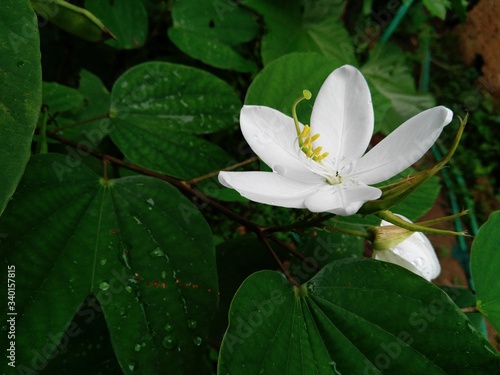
(304, 136)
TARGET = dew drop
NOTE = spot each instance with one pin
(124, 84)
(20, 64)
(168, 327)
(103, 261)
(104, 285)
(197, 341)
(157, 253)
(128, 288)
(192, 323)
(131, 366)
(137, 347)
(169, 342)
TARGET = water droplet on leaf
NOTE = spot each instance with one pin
(192, 323)
(104, 285)
(169, 342)
(137, 347)
(197, 341)
(168, 327)
(157, 253)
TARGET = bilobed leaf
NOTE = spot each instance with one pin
(485, 263)
(158, 109)
(135, 243)
(212, 31)
(356, 316)
(303, 26)
(127, 20)
(20, 92)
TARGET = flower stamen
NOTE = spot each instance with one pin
(304, 138)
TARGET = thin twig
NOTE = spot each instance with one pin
(195, 180)
(105, 115)
(185, 187)
(264, 240)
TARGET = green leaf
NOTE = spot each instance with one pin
(20, 92)
(159, 108)
(127, 20)
(59, 98)
(135, 243)
(212, 31)
(72, 19)
(237, 259)
(323, 247)
(485, 263)
(96, 105)
(281, 82)
(386, 70)
(304, 26)
(357, 316)
(437, 7)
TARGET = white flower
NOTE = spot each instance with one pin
(414, 253)
(329, 173)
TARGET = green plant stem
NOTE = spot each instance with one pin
(395, 21)
(350, 232)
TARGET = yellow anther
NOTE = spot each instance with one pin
(309, 153)
(314, 137)
(321, 157)
(305, 132)
(317, 150)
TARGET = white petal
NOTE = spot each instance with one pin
(343, 115)
(341, 199)
(272, 136)
(415, 254)
(403, 147)
(390, 257)
(268, 188)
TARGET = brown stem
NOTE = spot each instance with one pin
(264, 240)
(81, 122)
(195, 180)
(294, 252)
(185, 187)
